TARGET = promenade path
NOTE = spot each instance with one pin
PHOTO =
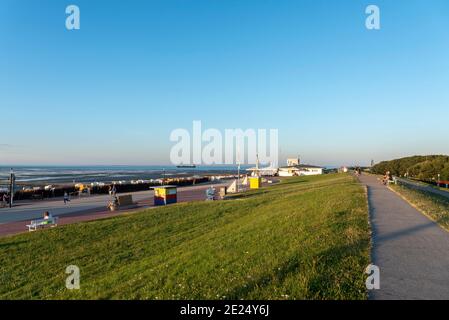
(411, 251)
(13, 220)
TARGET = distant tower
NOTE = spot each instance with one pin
(372, 163)
(293, 161)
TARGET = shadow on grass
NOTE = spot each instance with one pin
(248, 194)
(8, 245)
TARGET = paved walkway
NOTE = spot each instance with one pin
(13, 220)
(411, 251)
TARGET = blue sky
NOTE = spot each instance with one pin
(111, 92)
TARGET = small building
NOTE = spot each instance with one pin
(300, 170)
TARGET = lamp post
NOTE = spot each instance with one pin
(238, 168)
(12, 179)
(438, 182)
(238, 176)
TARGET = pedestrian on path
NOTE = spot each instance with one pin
(66, 198)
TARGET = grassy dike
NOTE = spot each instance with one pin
(434, 206)
(305, 238)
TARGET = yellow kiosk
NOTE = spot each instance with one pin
(255, 182)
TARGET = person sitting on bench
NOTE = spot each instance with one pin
(47, 215)
(47, 220)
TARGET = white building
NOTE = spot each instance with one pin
(300, 170)
(266, 171)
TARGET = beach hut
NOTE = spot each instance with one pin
(164, 195)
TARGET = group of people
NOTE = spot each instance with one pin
(5, 199)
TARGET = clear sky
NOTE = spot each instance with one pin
(111, 92)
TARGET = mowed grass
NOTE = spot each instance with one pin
(434, 206)
(305, 238)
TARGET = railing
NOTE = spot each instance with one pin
(420, 186)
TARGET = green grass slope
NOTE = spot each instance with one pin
(305, 238)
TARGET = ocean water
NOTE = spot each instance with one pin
(38, 175)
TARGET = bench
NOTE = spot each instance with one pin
(125, 200)
(41, 223)
(37, 196)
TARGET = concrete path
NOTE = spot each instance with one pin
(411, 251)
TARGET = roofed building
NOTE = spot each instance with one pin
(300, 170)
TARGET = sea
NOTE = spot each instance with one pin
(45, 175)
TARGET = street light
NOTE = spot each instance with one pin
(12, 179)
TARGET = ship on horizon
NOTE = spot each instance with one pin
(186, 166)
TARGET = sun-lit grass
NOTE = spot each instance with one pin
(305, 238)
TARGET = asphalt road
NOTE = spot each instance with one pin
(411, 251)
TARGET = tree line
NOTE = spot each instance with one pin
(424, 168)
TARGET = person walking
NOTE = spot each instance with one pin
(66, 198)
(5, 200)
